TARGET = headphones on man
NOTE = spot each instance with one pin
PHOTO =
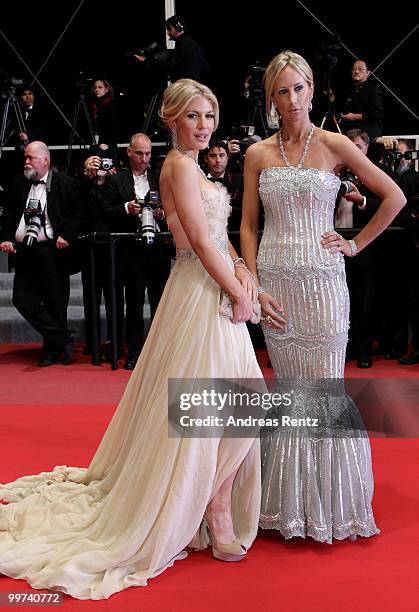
(177, 22)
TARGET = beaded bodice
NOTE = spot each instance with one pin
(299, 206)
(216, 204)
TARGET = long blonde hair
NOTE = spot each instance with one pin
(277, 65)
(177, 97)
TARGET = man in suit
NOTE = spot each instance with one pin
(216, 160)
(186, 61)
(141, 268)
(33, 117)
(363, 108)
(43, 214)
(355, 209)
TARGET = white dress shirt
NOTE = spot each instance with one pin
(37, 192)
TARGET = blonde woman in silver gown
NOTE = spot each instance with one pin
(312, 485)
(132, 513)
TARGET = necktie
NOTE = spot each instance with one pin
(38, 182)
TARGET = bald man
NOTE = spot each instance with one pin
(140, 269)
(43, 215)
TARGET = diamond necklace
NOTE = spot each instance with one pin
(284, 157)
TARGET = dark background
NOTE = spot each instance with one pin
(233, 38)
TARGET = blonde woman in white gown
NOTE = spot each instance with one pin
(132, 513)
(313, 484)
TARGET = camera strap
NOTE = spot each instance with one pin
(48, 182)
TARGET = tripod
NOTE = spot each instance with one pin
(256, 112)
(11, 101)
(151, 110)
(80, 106)
(329, 115)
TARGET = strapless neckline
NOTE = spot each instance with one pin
(211, 188)
(304, 168)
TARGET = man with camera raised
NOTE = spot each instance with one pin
(186, 61)
(356, 205)
(43, 214)
(141, 266)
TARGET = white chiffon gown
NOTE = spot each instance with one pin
(128, 516)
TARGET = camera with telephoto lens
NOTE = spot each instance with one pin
(34, 217)
(148, 51)
(245, 134)
(148, 223)
(392, 156)
(347, 182)
(345, 188)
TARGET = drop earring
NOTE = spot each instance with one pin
(174, 137)
(310, 105)
(273, 117)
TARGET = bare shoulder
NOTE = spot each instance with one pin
(177, 166)
(257, 152)
(334, 142)
(337, 148)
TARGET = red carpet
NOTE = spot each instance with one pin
(57, 415)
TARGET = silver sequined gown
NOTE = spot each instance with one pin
(320, 485)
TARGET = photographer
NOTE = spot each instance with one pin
(43, 214)
(141, 268)
(399, 255)
(33, 116)
(93, 187)
(186, 61)
(363, 108)
(217, 163)
(356, 205)
(408, 180)
(102, 111)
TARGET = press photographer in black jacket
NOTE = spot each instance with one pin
(356, 205)
(363, 108)
(141, 268)
(186, 61)
(44, 212)
(102, 109)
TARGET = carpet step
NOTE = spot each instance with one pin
(14, 328)
(6, 298)
(6, 280)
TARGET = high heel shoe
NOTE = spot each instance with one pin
(233, 551)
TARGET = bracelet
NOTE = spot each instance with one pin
(260, 290)
(239, 260)
(247, 270)
(354, 248)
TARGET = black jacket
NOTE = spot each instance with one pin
(65, 207)
(367, 99)
(118, 191)
(104, 120)
(35, 123)
(186, 61)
